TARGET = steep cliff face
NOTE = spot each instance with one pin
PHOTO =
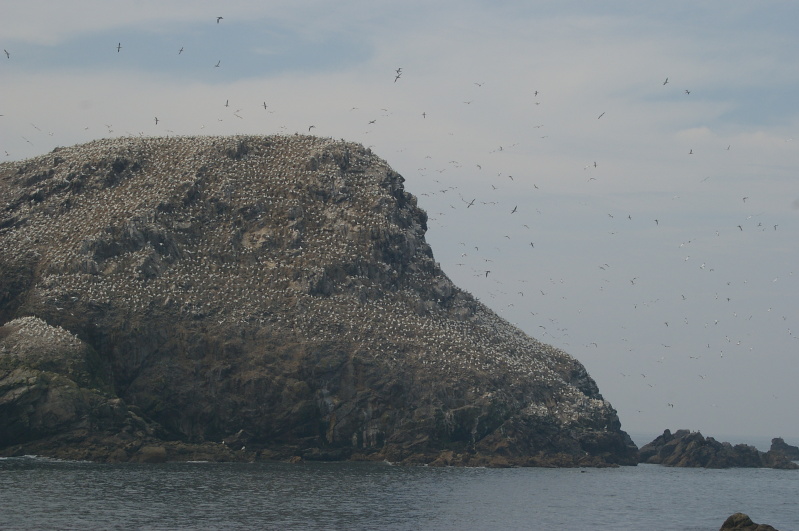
(275, 293)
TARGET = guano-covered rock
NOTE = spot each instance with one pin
(261, 297)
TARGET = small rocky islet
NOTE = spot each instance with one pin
(251, 297)
(685, 448)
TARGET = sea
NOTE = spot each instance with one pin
(40, 493)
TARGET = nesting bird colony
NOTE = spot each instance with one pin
(283, 236)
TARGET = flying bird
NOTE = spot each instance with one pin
(180, 51)
(156, 120)
(217, 64)
(600, 116)
(218, 19)
(399, 73)
(310, 127)
(514, 209)
(8, 55)
(119, 47)
(667, 80)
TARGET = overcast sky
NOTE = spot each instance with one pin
(649, 228)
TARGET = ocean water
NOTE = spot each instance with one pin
(39, 493)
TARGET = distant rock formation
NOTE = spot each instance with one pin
(261, 297)
(690, 449)
(779, 446)
(741, 522)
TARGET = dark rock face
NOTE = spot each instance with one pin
(779, 446)
(261, 297)
(741, 522)
(691, 449)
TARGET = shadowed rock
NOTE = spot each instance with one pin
(741, 522)
(271, 293)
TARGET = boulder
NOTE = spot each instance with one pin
(741, 522)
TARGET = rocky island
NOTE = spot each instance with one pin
(685, 448)
(229, 298)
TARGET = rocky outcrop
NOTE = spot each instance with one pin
(56, 399)
(261, 297)
(779, 446)
(741, 522)
(684, 448)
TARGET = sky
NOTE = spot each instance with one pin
(626, 170)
